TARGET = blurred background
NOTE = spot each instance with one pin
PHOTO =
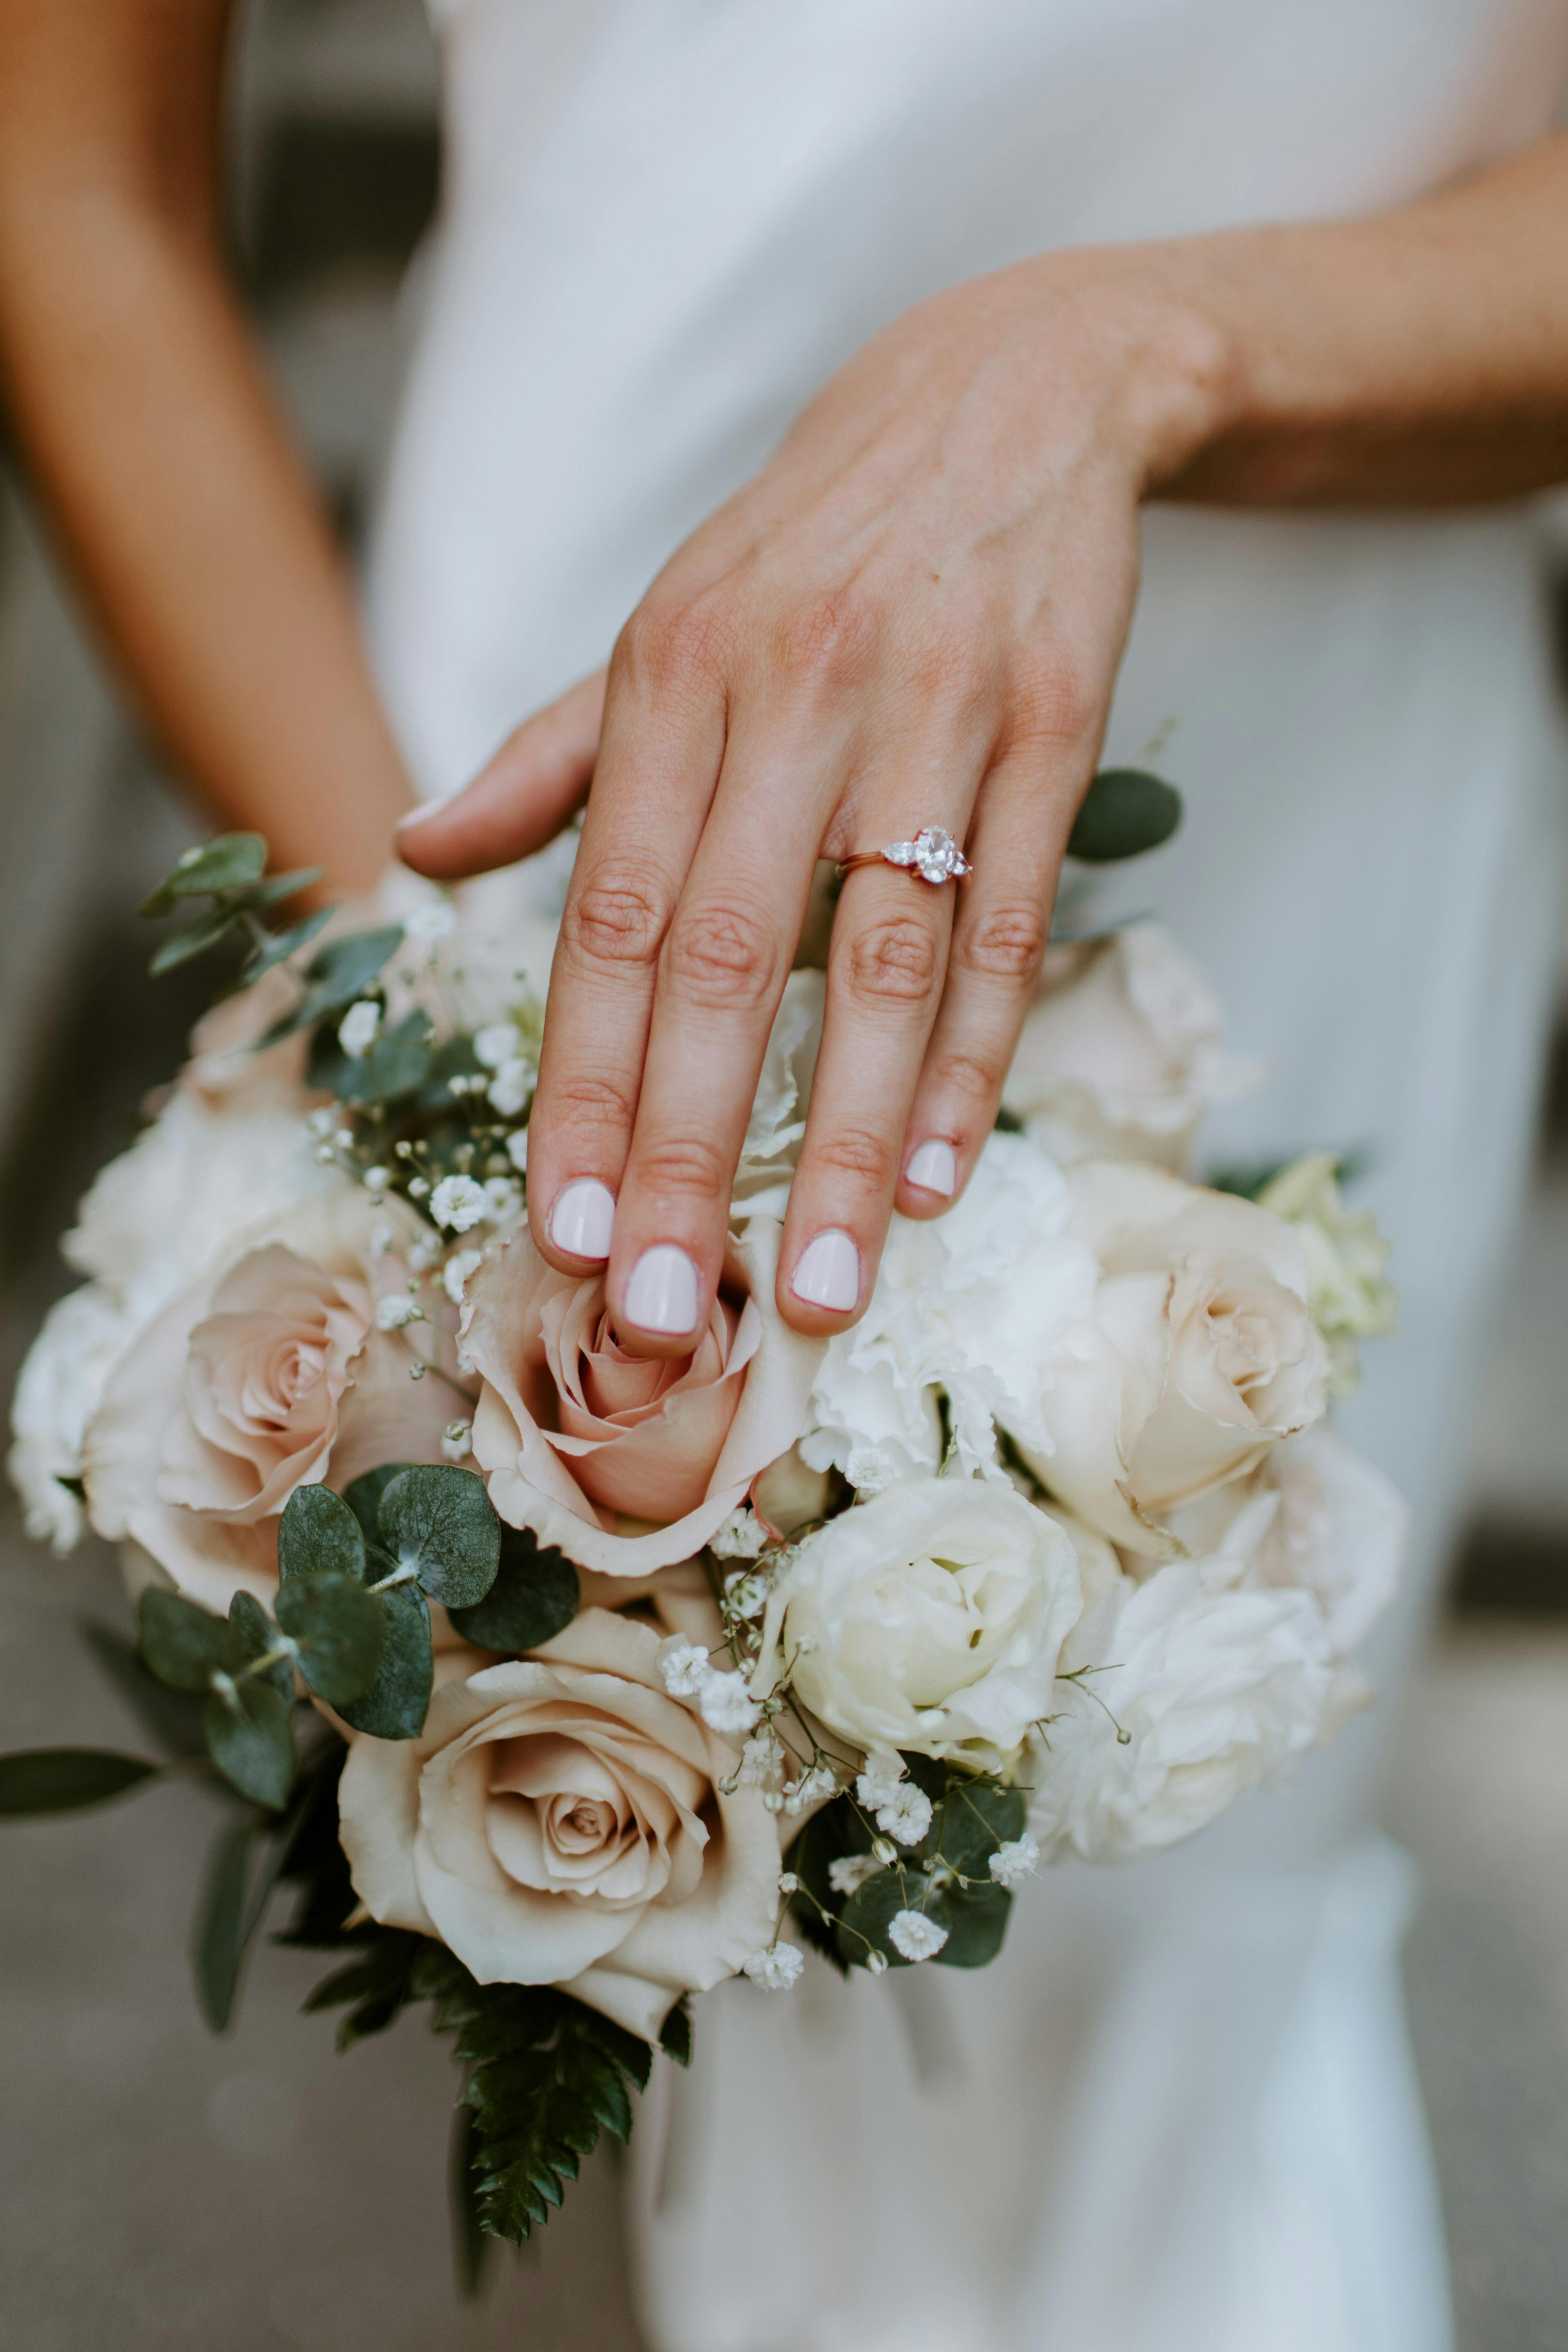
(160, 2189)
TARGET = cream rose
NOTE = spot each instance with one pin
(1200, 1353)
(1185, 1697)
(929, 1619)
(628, 1466)
(558, 1820)
(1123, 1052)
(268, 1374)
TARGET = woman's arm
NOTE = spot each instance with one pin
(153, 436)
(915, 614)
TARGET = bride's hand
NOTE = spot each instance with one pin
(913, 616)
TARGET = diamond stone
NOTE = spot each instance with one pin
(934, 855)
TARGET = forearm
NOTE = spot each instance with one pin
(155, 444)
(1417, 357)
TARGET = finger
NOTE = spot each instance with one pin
(1016, 844)
(721, 974)
(662, 743)
(885, 975)
(519, 800)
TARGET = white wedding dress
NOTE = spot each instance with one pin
(1179, 2114)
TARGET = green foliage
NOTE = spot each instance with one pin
(172, 1717)
(396, 1066)
(1125, 812)
(336, 1628)
(472, 2244)
(184, 946)
(535, 1596)
(183, 1645)
(233, 861)
(66, 1780)
(394, 1704)
(318, 1532)
(675, 2034)
(442, 1524)
(258, 1636)
(283, 944)
(336, 976)
(218, 1946)
(839, 1829)
(363, 1495)
(863, 1920)
(249, 1740)
(229, 872)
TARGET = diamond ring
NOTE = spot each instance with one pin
(934, 854)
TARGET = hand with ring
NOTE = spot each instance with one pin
(895, 649)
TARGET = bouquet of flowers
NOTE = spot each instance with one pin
(558, 1685)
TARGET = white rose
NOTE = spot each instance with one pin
(1123, 1052)
(976, 1302)
(1185, 1698)
(1314, 1516)
(1348, 1288)
(558, 1820)
(57, 1392)
(928, 1620)
(1200, 1353)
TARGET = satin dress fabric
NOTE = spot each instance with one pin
(1179, 2114)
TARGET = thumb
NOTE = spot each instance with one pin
(519, 800)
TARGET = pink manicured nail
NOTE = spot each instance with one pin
(828, 1273)
(662, 1292)
(583, 1218)
(933, 1169)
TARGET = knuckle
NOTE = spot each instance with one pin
(676, 639)
(725, 955)
(892, 962)
(826, 640)
(617, 918)
(858, 1156)
(683, 1168)
(1053, 706)
(1006, 942)
(584, 1100)
(971, 1078)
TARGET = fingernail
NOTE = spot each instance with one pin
(933, 1169)
(583, 1218)
(662, 1292)
(424, 813)
(828, 1273)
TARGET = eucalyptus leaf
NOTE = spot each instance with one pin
(172, 1717)
(283, 944)
(336, 975)
(337, 1627)
(1125, 812)
(398, 1063)
(455, 1058)
(971, 1820)
(257, 1634)
(534, 1597)
(193, 941)
(442, 1524)
(363, 1496)
(249, 1740)
(279, 886)
(65, 1780)
(977, 1922)
(866, 1917)
(395, 1705)
(217, 1944)
(230, 862)
(318, 1534)
(185, 1645)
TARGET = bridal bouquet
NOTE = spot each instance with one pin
(559, 1685)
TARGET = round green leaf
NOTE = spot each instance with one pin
(192, 939)
(248, 1739)
(977, 1922)
(63, 1780)
(864, 1917)
(972, 1820)
(363, 1495)
(1125, 812)
(185, 1645)
(395, 1705)
(442, 1524)
(338, 1628)
(318, 1535)
(535, 1596)
(231, 862)
(283, 944)
(257, 1636)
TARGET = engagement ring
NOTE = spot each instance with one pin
(934, 854)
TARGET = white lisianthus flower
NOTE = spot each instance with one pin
(1123, 1052)
(977, 1303)
(927, 1620)
(1199, 1355)
(1348, 1289)
(1186, 1698)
